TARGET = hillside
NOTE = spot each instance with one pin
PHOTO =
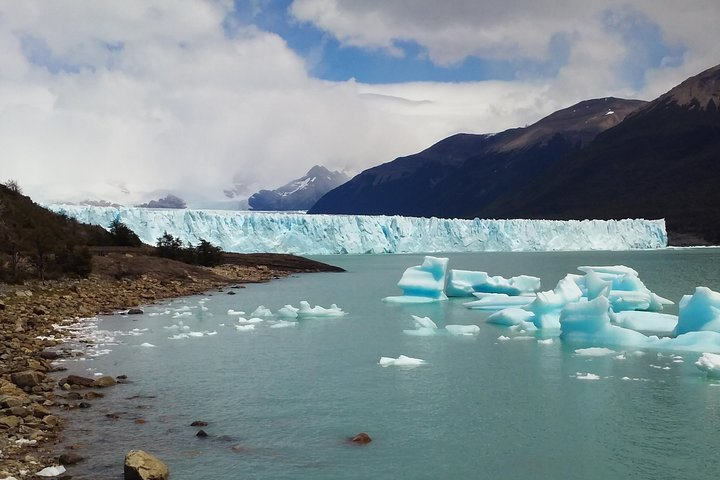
(661, 162)
(456, 175)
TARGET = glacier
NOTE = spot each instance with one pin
(297, 233)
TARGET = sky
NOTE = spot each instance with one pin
(127, 101)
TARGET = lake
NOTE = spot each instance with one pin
(280, 402)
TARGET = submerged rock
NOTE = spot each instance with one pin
(140, 465)
(361, 438)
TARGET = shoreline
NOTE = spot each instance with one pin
(31, 419)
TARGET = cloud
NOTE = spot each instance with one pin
(121, 100)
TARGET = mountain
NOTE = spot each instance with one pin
(300, 194)
(658, 159)
(458, 174)
(168, 201)
(662, 161)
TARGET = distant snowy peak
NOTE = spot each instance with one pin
(300, 194)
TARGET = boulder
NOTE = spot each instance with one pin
(106, 381)
(70, 458)
(140, 465)
(199, 423)
(135, 311)
(78, 380)
(10, 421)
(2, 305)
(28, 378)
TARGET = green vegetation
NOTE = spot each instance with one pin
(122, 236)
(204, 253)
(38, 243)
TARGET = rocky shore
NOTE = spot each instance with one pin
(33, 395)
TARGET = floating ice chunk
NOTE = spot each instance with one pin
(710, 364)
(699, 312)
(663, 323)
(596, 286)
(612, 270)
(567, 289)
(248, 321)
(150, 345)
(462, 329)
(594, 352)
(401, 361)
(306, 311)
(589, 322)
(497, 301)
(463, 283)
(545, 341)
(288, 311)
(235, 312)
(587, 376)
(245, 328)
(705, 341)
(423, 322)
(51, 471)
(182, 314)
(261, 311)
(503, 338)
(283, 324)
(423, 283)
(511, 316)
(421, 332)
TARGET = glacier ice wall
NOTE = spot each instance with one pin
(245, 232)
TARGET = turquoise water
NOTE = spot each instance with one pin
(281, 401)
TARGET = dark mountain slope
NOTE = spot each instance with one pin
(663, 161)
(459, 174)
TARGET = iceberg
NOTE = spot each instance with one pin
(699, 311)
(463, 283)
(462, 329)
(497, 301)
(246, 232)
(424, 327)
(710, 364)
(401, 361)
(511, 316)
(622, 286)
(423, 283)
(661, 323)
(306, 311)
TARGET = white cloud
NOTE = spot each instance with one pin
(148, 96)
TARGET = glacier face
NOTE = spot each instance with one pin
(245, 232)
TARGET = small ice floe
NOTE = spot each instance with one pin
(288, 311)
(503, 338)
(594, 352)
(401, 361)
(510, 317)
(184, 308)
(306, 310)
(462, 329)
(545, 341)
(710, 364)
(146, 344)
(51, 471)
(283, 324)
(182, 314)
(190, 334)
(424, 327)
(235, 312)
(245, 328)
(248, 321)
(261, 311)
(587, 376)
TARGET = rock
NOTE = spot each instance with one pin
(9, 401)
(231, 292)
(201, 434)
(199, 423)
(10, 421)
(106, 381)
(361, 438)
(49, 354)
(39, 311)
(93, 395)
(78, 380)
(135, 311)
(28, 378)
(140, 465)
(70, 458)
(84, 405)
(51, 420)
(2, 305)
